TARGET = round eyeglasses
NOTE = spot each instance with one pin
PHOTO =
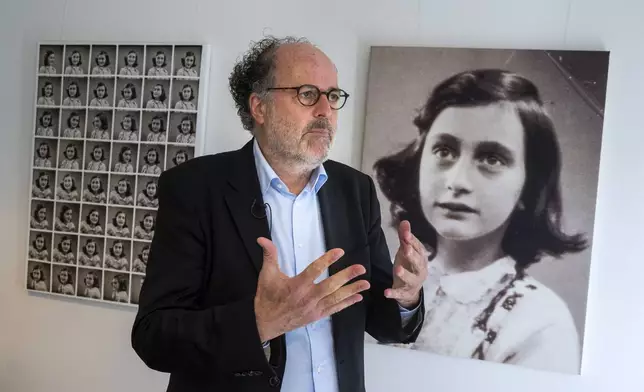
(309, 95)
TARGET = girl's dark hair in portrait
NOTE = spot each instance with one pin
(533, 231)
(107, 58)
(254, 73)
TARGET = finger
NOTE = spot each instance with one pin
(404, 230)
(269, 251)
(341, 305)
(408, 277)
(400, 293)
(341, 295)
(321, 264)
(334, 282)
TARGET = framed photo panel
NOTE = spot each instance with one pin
(109, 118)
(492, 156)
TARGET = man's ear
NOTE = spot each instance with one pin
(257, 109)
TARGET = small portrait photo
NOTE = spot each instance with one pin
(95, 188)
(187, 60)
(41, 188)
(67, 217)
(185, 95)
(47, 122)
(122, 190)
(119, 222)
(124, 157)
(63, 278)
(73, 124)
(101, 93)
(70, 156)
(77, 60)
(183, 128)
(48, 91)
(178, 155)
(49, 60)
(137, 283)
(67, 188)
(42, 214)
(158, 60)
(126, 126)
(89, 283)
(97, 156)
(140, 254)
(144, 224)
(147, 192)
(45, 152)
(93, 219)
(154, 126)
(99, 124)
(156, 93)
(39, 245)
(151, 159)
(103, 60)
(116, 287)
(130, 61)
(65, 247)
(75, 92)
(128, 93)
(38, 276)
(90, 253)
(117, 254)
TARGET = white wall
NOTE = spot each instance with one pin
(54, 345)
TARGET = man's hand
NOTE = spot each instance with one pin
(410, 269)
(283, 303)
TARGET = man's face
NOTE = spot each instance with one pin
(293, 132)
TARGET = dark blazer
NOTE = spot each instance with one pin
(196, 315)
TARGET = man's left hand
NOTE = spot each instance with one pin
(410, 269)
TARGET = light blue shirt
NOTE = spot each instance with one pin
(297, 232)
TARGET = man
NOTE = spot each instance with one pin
(269, 263)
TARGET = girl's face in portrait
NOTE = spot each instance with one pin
(152, 157)
(97, 153)
(180, 158)
(144, 255)
(40, 243)
(64, 277)
(42, 214)
(69, 152)
(120, 219)
(115, 283)
(49, 90)
(68, 216)
(35, 275)
(156, 125)
(51, 59)
(189, 61)
(151, 189)
(95, 184)
(122, 188)
(89, 279)
(75, 121)
(90, 248)
(185, 127)
(131, 59)
(186, 93)
(72, 90)
(101, 60)
(148, 222)
(100, 91)
(127, 156)
(160, 58)
(118, 249)
(66, 245)
(68, 182)
(43, 181)
(127, 93)
(127, 123)
(75, 58)
(156, 91)
(96, 123)
(46, 120)
(43, 150)
(472, 170)
(93, 218)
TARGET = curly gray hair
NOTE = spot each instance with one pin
(254, 73)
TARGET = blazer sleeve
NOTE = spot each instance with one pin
(384, 322)
(172, 331)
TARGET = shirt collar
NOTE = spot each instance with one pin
(471, 286)
(269, 179)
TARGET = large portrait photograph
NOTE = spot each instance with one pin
(492, 155)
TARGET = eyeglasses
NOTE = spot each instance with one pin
(309, 95)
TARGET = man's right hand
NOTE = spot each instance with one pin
(283, 303)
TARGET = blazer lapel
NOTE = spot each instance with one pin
(242, 191)
(333, 211)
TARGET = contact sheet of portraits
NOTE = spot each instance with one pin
(493, 157)
(109, 119)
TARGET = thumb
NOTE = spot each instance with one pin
(269, 250)
(403, 231)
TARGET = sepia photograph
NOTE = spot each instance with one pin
(48, 120)
(42, 215)
(116, 286)
(178, 154)
(492, 156)
(90, 253)
(120, 222)
(38, 276)
(151, 159)
(184, 95)
(50, 60)
(67, 217)
(158, 60)
(121, 189)
(77, 61)
(182, 128)
(101, 93)
(187, 60)
(89, 283)
(124, 157)
(93, 218)
(117, 254)
(103, 61)
(128, 93)
(49, 91)
(130, 62)
(156, 94)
